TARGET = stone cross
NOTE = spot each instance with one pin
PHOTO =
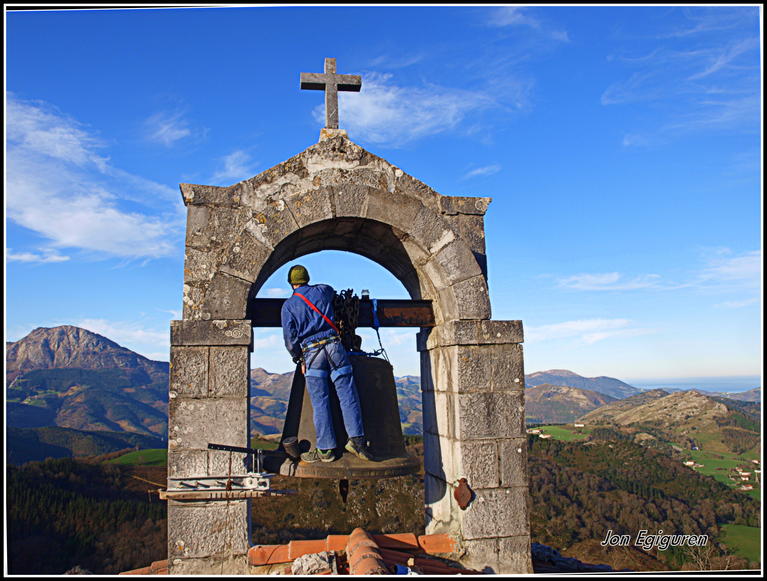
(331, 83)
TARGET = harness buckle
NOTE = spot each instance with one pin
(327, 340)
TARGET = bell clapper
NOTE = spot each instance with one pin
(343, 489)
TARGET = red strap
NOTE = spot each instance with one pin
(308, 302)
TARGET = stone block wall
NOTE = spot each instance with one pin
(472, 379)
(335, 195)
(208, 403)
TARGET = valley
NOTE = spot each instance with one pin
(655, 458)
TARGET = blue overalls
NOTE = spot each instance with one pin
(303, 328)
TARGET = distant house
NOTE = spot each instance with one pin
(689, 463)
(544, 436)
(744, 478)
(755, 461)
(578, 425)
(533, 431)
(746, 487)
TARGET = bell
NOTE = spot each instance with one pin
(374, 378)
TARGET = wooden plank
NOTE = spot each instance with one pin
(391, 313)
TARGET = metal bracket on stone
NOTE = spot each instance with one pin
(249, 481)
(463, 494)
(235, 487)
(225, 487)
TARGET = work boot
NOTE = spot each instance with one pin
(317, 455)
(358, 447)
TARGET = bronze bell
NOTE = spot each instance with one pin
(374, 378)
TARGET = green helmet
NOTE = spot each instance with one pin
(298, 275)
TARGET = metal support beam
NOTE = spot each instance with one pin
(391, 313)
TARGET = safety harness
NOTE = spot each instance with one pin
(322, 342)
(311, 305)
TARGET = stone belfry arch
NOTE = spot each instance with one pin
(337, 196)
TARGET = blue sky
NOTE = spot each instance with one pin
(621, 147)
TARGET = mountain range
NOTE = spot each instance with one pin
(615, 388)
(70, 391)
(73, 379)
(270, 392)
(686, 419)
(549, 404)
(754, 394)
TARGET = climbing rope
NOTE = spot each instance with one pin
(376, 325)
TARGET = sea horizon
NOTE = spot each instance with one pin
(733, 383)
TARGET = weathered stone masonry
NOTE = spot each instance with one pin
(337, 196)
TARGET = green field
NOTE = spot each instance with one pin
(152, 457)
(159, 457)
(259, 444)
(743, 541)
(566, 433)
(713, 460)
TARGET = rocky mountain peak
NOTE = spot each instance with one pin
(67, 346)
(559, 372)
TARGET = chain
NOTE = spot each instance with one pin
(346, 307)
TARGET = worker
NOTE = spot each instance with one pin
(313, 340)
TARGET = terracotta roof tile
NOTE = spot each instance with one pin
(364, 555)
(298, 548)
(359, 553)
(155, 568)
(336, 542)
(399, 541)
(268, 554)
(142, 571)
(436, 544)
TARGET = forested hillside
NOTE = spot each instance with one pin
(64, 512)
(95, 515)
(580, 491)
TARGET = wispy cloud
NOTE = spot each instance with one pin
(608, 281)
(722, 270)
(725, 269)
(386, 113)
(62, 187)
(174, 313)
(234, 167)
(722, 58)
(43, 257)
(167, 127)
(703, 75)
(521, 16)
(277, 292)
(486, 170)
(587, 331)
(131, 334)
(269, 345)
(704, 20)
(401, 61)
